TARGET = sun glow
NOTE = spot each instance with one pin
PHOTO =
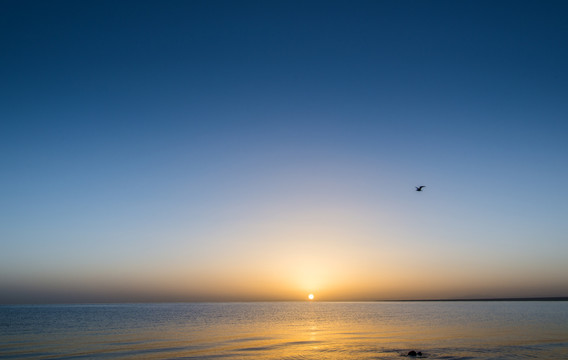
(311, 296)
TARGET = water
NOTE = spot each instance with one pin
(294, 330)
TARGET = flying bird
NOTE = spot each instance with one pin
(419, 188)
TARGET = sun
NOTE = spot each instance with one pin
(311, 296)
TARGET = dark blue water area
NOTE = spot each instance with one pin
(286, 330)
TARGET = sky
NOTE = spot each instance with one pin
(266, 150)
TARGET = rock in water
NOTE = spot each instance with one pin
(412, 353)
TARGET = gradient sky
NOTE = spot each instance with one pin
(265, 150)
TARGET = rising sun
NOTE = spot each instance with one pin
(311, 296)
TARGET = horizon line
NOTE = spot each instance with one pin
(549, 298)
(541, 298)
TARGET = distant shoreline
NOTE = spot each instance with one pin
(559, 298)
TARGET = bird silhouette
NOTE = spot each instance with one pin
(419, 188)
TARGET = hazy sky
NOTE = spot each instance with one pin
(265, 150)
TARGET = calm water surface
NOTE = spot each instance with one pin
(318, 330)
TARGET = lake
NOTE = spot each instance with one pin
(286, 330)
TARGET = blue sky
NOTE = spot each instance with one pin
(147, 142)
